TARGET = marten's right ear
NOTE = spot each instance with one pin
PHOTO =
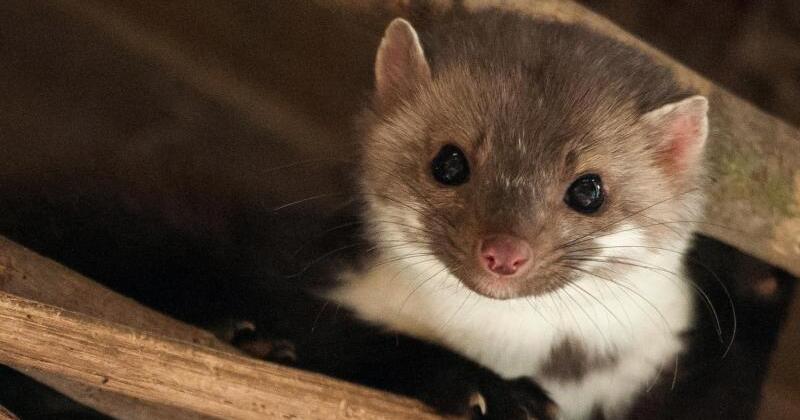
(400, 64)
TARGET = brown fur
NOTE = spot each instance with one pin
(533, 105)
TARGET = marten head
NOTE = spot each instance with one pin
(520, 155)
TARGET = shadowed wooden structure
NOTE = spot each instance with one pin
(299, 70)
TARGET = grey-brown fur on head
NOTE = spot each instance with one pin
(534, 105)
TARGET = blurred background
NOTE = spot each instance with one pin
(751, 47)
(145, 144)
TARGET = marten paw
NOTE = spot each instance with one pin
(244, 336)
(518, 399)
(493, 398)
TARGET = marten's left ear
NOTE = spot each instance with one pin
(682, 129)
(400, 64)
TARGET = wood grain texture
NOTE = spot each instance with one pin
(88, 322)
(29, 275)
(113, 404)
(7, 415)
(179, 374)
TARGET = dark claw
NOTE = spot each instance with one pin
(243, 335)
(518, 399)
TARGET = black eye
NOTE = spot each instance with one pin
(450, 166)
(585, 195)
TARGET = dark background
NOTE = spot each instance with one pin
(750, 47)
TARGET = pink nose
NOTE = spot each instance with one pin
(504, 254)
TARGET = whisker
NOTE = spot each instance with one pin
(663, 223)
(305, 200)
(419, 194)
(470, 293)
(664, 321)
(406, 257)
(569, 311)
(351, 246)
(435, 216)
(418, 286)
(586, 314)
(660, 271)
(320, 259)
(696, 287)
(322, 235)
(599, 302)
(306, 162)
(614, 223)
(438, 216)
(624, 287)
(695, 261)
(375, 224)
(319, 314)
(541, 315)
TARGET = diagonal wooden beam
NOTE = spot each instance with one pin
(7, 415)
(179, 374)
(27, 274)
(107, 351)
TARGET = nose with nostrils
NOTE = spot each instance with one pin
(504, 255)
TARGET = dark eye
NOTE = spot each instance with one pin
(450, 166)
(585, 195)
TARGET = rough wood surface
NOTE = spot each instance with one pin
(7, 415)
(125, 360)
(29, 275)
(179, 374)
(116, 405)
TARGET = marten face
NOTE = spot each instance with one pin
(518, 178)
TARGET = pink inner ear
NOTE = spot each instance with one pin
(685, 141)
(400, 63)
(397, 65)
(683, 127)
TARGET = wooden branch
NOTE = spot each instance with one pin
(27, 274)
(179, 374)
(118, 406)
(109, 352)
(7, 415)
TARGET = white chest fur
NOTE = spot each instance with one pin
(636, 318)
